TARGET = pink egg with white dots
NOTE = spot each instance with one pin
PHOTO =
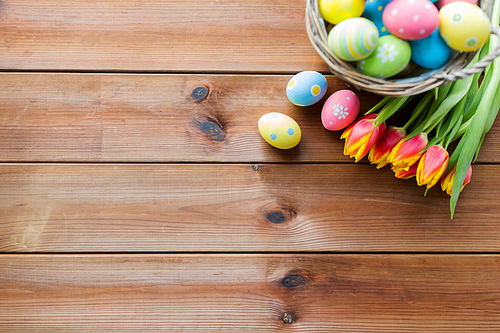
(411, 19)
(339, 110)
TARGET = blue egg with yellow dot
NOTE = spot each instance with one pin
(306, 88)
(279, 130)
(373, 11)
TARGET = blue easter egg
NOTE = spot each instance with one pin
(373, 11)
(430, 52)
(306, 88)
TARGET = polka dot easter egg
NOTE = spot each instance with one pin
(353, 39)
(411, 19)
(464, 26)
(306, 88)
(390, 57)
(339, 110)
(335, 11)
(279, 130)
(373, 11)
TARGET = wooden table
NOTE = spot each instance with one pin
(137, 195)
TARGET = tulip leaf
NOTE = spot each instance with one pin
(492, 114)
(418, 113)
(392, 107)
(457, 92)
(452, 124)
(474, 134)
(380, 104)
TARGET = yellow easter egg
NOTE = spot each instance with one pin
(335, 11)
(463, 26)
(279, 130)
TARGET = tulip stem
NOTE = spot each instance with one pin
(380, 104)
(391, 108)
(422, 105)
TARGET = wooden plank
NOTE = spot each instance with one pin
(156, 118)
(250, 293)
(156, 35)
(233, 208)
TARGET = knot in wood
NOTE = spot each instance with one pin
(199, 93)
(276, 217)
(213, 131)
(293, 280)
(280, 215)
(287, 318)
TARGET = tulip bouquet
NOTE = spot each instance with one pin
(463, 110)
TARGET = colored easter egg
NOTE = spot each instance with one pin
(339, 110)
(411, 19)
(373, 11)
(442, 3)
(353, 39)
(390, 57)
(306, 88)
(431, 51)
(464, 26)
(335, 11)
(279, 130)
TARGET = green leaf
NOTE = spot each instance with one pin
(475, 132)
(380, 104)
(457, 92)
(473, 135)
(391, 108)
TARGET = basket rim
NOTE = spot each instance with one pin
(457, 67)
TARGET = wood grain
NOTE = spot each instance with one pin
(155, 118)
(236, 36)
(163, 118)
(233, 208)
(250, 293)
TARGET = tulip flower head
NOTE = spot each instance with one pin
(361, 136)
(379, 152)
(408, 152)
(449, 177)
(406, 174)
(432, 165)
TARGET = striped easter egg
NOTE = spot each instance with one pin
(353, 39)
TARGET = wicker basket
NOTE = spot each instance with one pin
(418, 81)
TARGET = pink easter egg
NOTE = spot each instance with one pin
(442, 3)
(411, 19)
(339, 110)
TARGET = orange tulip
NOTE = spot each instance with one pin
(379, 152)
(432, 165)
(361, 136)
(449, 177)
(408, 152)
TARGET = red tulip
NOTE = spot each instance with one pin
(361, 136)
(449, 177)
(408, 152)
(379, 152)
(432, 165)
(405, 174)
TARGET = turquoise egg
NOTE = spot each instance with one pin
(430, 52)
(373, 11)
(306, 88)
